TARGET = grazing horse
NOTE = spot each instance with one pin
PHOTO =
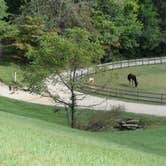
(132, 79)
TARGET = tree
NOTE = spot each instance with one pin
(3, 9)
(161, 10)
(61, 14)
(58, 58)
(150, 37)
(14, 6)
(3, 13)
(29, 30)
(118, 25)
(7, 30)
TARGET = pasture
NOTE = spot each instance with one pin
(150, 78)
(32, 134)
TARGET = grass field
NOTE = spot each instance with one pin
(150, 78)
(7, 71)
(33, 134)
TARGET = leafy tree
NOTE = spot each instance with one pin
(14, 6)
(118, 25)
(3, 9)
(150, 37)
(58, 58)
(7, 30)
(29, 30)
(61, 14)
(161, 10)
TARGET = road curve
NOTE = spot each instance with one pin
(87, 101)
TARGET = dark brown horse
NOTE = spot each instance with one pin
(132, 79)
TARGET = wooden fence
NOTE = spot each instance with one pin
(137, 95)
(121, 64)
(133, 62)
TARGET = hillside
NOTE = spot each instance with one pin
(25, 141)
(40, 140)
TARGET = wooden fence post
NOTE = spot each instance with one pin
(128, 63)
(161, 60)
(15, 77)
(81, 73)
(161, 98)
(137, 95)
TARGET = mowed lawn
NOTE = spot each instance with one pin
(150, 78)
(32, 134)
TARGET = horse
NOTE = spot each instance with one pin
(132, 79)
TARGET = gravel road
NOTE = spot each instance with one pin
(87, 101)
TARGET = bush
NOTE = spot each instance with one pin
(102, 120)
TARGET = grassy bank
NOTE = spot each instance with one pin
(26, 141)
(50, 114)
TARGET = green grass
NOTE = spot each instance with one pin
(7, 71)
(150, 78)
(46, 113)
(32, 134)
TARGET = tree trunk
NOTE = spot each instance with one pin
(73, 110)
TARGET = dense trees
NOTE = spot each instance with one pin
(161, 10)
(29, 30)
(3, 14)
(150, 33)
(118, 25)
(125, 28)
(6, 29)
(14, 7)
(59, 13)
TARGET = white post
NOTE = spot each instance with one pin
(15, 77)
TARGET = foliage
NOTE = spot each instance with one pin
(60, 14)
(150, 37)
(29, 30)
(102, 120)
(62, 56)
(15, 6)
(6, 30)
(3, 9)
(125, 28)
(118, 25)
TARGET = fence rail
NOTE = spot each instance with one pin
(121, 64)
(136, 95)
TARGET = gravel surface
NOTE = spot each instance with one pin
(86, 101)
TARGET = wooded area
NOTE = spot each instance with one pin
(124, 28)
